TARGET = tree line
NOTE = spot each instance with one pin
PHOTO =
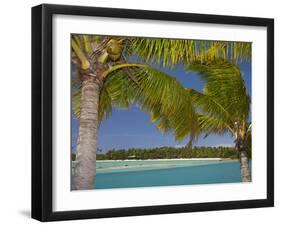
(168, 153)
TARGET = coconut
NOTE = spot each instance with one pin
(114, 49)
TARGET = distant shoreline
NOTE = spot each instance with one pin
(167, 153)
(190, 159)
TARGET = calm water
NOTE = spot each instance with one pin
(125, 174)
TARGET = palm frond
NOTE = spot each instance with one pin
(87, 43)
(225, 87)
(157, 93)
(207, 105)
(85, 64)
(210, 124)
(169, 52)
(164, 98)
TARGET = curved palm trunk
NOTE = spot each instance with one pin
(85, 170)
(244, 166)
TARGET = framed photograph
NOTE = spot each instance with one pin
(146, 112)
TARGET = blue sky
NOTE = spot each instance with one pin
(132, 128)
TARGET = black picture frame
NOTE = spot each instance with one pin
(42, 107)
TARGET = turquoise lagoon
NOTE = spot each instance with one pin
(147, 173)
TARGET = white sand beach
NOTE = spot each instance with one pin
(190, 159)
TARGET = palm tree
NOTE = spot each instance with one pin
(225, 106)
(106, 79)
(222, 107)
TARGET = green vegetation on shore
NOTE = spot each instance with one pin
(168, 153)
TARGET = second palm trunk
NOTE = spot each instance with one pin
(244, 165)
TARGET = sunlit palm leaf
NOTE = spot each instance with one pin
(166, 100)
(224, 102)
(210, 124)
(169, 52)
(207, 105)
(225, 87)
